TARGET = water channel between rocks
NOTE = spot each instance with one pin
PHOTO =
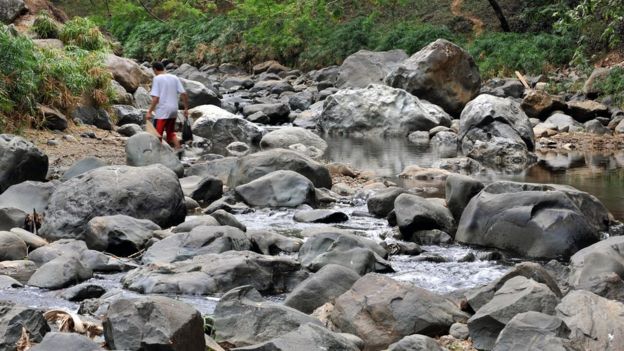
(598, 174)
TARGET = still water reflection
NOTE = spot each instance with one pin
(600, 174)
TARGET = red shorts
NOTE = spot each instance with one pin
(166, 126)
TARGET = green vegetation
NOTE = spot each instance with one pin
(53, 77)
(45, 27)
(83, 33)
(612, 85)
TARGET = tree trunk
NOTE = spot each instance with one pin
(500, 15)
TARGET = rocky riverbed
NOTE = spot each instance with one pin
(391, 203)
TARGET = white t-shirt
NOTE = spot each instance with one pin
(166, 87)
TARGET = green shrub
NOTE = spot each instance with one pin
(45, 26)
(83, 33)
(613, 85)
(413, 37)
(500, 54)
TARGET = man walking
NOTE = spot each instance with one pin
(164, 108)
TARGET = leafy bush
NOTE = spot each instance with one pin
(83, 33)
(412, 38)
(53, 77)
(45, 26)
(500, 54)
(613, 85)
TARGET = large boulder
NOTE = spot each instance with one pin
(144, 149)
(91, 260)
(496, 132)
(60, 272)
(278, 189)
(222, 128)
(599, 265)
(277, 113)
(10, 10)
(368, 67)
(290, 137)
(12, 218)
(199, 94)
(127, 72)
(120, 235)
(308, 337)
(415, 213)
(460, 189)
(202, 189)
(199, 241)
(595, 322)
(153, 323)
(242, 317)
(14, 319)
(219, 168)
(324, 286)
(381, 203)
(416, 343)
(20, 160)
(517, 295)
(332, 246)
(66, 342)
(110, 191)
(381, 311)
(256, 165)
(28, 196)
(533, 220)
(189, 72)
(212, 274)
(83, 166)
(12, 247)
(379, 109)
(127, 114)
(91, 115)
(442, 73)
(534, 331)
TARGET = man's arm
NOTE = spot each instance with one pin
(185, 101)
(155, 100)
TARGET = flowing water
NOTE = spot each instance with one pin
(598, 174)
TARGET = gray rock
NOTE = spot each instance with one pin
(563, 122)
(400, 309)
(144, 149)
(7, 282)
(277, 113)
(202, 189)
(534, 331)
(142, 98)
(105, 192)
(445, 144)
(533, 220)
(381, 203)
(223, 128)
(212, 274)
(335, 247)
(93, 116)
(83, 166)
(28, 196)
(65, 248)
(15, 318)
(320, 216)
(595, 322)
(200, 241)
(129, 130)
(429, 237)
(12, 218)
(20, 270)
(285, 137)
(414, 213)
(368, 67)
(20, 160)
(127, 114)
(503, 87)
(442, 73)
(199, 94)
(459, 331)
(620, 127)
(270, 243)
(127, 72)
(324, 286)
(242, 318)
(12, 247)
(219, 168)
(189, 72)
(379, 109)
(584, 111)
(227, 219)
(496, 132)
(195, 222)
(10, 10)
(59, 273)
(67, 342)
(278, 189)
(153, 323)
(256, 165)
(82, 292)
(301, 101)
(595, 127)
(415, 343)
(460, 165)
(420, 138)
(120, 235)
(460, 190)
(122, 97)
(517, 295)
(598, 265)
(52, 118)
(308, 337)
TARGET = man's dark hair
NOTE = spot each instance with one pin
(158, 66)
